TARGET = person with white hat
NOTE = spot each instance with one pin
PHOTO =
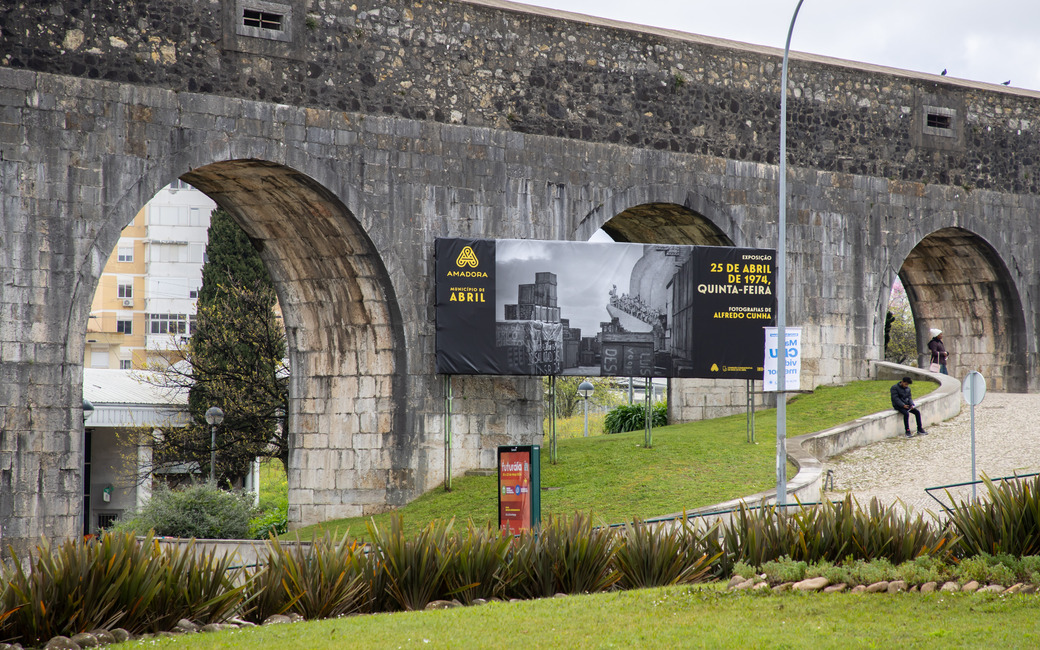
(939, 353)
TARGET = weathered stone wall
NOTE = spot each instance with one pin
(505, 66)
(372, 129)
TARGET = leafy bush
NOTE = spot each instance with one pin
(273, 522)
(632, 417)
(199, 510)
(784, 570)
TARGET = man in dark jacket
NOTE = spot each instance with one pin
(903, 402)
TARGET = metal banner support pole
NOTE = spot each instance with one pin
(751, 410)
(648, 441)
(447, 433)
(552, 424)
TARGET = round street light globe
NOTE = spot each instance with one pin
(214, 415)
(585, 388)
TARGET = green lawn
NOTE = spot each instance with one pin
(702, 616)
(614, 478)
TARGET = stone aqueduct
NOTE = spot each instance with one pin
(346, 137)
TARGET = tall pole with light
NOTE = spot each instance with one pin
(781, 289)
(214, 416)
(585, 389)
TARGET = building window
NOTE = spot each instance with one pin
(126, 289)
(125, 326)
(262, 19)
(939, 120)
(193, 293)
(167, 323)
(126, 364)
(126, 253)
(178, 185)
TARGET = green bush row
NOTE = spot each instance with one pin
(114, 580)
(985, 569)
(632, 417)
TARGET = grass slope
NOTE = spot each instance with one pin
(614, 478)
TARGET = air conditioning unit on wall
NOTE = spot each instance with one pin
(128, 302)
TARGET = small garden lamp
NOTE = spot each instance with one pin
(214, 416)
(585, 389)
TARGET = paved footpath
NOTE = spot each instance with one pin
(1007, 441)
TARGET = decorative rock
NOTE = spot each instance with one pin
(105, 637)
(929, 587)
(478, 601)
(61, 643)
(559, 595)
(859, 589)
(811, 584)
(120, 635)
(761, 585)
(991, 589)
(915, 589)
(295, 618)
(184, 625)
(950, 586)
(735, 580)
(896, 586)
(1028, 589)
(970, 586)
(85, 640)
(877, 586)
(441, 604)
(835, 588)
(217, 627)
(276, 619)
(1014, 589)
(747, 584)
(783, 586)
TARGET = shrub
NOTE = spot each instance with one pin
(1008, 523)
(632, 417)
(273, 522)
(784, 570)
(200, 510)
(322, 579)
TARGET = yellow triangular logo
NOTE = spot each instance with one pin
(714, 367)
(467, 258)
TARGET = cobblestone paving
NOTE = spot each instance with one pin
(1007, 441)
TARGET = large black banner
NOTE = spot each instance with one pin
(523, 307)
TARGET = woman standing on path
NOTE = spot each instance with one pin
(938, 350)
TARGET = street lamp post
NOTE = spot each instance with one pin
(214, 416)
(585, 389)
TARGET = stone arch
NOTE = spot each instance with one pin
(957, 282)
(662, 215)
(354, 450)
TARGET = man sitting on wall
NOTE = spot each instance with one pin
(903, 402)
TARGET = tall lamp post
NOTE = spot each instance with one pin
(781, 281)
(585, 390)
(214, 416)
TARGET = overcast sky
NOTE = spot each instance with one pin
(992, 41)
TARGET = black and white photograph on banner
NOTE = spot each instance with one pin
(602, 309)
